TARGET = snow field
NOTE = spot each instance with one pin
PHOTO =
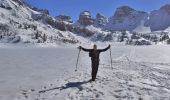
(139, 73)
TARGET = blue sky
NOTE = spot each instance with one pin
(106, 7)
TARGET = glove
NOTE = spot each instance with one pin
(80, 47)
(109, 45)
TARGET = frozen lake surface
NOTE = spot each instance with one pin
(35, 73)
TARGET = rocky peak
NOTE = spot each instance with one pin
(85, 18)
(159, 19)
(126, 18)
(64, 18)
(123, 11)
(166, 8)
(44, 11)
(98, 15)
(100, 20)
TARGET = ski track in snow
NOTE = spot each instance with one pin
(130, 79)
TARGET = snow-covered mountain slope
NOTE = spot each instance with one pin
(142, 28)
(18, 25)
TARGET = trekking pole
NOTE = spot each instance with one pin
(77, 59)
(111, 57)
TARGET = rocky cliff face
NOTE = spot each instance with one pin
(125, 18)
(159, 19)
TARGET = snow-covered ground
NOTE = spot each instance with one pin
(36, 73)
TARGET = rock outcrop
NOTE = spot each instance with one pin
(100, 20)
(85, 18)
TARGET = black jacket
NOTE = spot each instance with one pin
(94, 54)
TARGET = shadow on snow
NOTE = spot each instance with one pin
(67, 85)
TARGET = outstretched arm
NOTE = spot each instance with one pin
(84, 49)
(102, 50)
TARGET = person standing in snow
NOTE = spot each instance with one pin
(94, 54)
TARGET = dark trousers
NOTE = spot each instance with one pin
(95, 65)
